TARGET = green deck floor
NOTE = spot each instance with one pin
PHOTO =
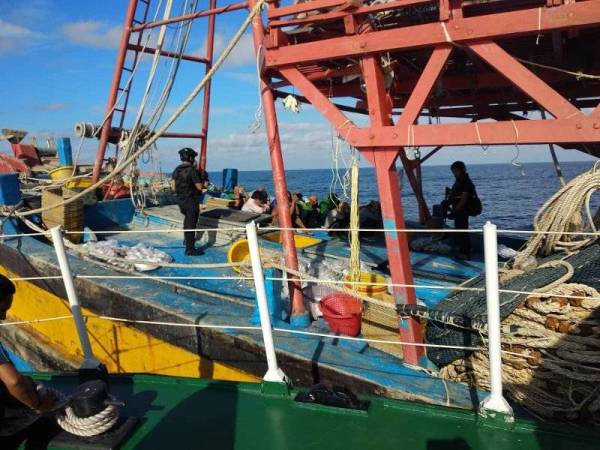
(182, 413)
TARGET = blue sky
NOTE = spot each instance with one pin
(57, 58)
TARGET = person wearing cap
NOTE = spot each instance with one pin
(189, 183)
(15, 388)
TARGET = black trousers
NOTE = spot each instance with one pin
(191, 211)
(463, 240)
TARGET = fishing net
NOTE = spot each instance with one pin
(472, 304)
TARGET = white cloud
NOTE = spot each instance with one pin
(243, 76)
(14, 37)
(241, 55)
(93, 33)
(49, 107)
(304, 145)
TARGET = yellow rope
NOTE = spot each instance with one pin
(354, 226)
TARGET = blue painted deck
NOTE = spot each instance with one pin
(371, 364)
(18, 362)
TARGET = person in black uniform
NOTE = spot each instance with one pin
(189, 183)
(461, 200)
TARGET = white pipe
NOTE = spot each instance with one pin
(274, 373)
(57, 238)
(495, 402)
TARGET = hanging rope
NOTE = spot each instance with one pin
(354, 223)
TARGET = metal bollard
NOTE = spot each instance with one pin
(274, 373)
(495, 402)
(90, 362)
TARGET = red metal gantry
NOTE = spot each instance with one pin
(461, 62)
(485, 72)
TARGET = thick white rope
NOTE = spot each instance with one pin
(85, 426)
(561, 215)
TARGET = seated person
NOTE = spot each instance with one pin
(16, 389)
(239, 197)
(257, 203)
(370, 218)
(293, 211)
(338, 218)
(309, 212)
(328, 204)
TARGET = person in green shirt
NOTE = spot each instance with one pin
(310, 213)
(329, 203)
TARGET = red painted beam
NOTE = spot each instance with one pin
(391, 208)
(114, 90)
(432, 71)
(338, 15)
(166, 53)
(559, 131)
(524, 79)
(279, 180)
(324, 74)
(302, 7)
(210, 48)
(192, 16)
(488, 27)
(342, 124)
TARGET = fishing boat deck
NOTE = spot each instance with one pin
(217, 297)
(187, 413)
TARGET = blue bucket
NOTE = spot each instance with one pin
(65, 154)
(230, 179)
(10, 192)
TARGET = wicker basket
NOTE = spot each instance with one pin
(70, 216)
(379, 322)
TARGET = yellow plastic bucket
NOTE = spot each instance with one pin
(61, 173)
(79, 183)
(301, 241)
(376, 290)
(238, 252)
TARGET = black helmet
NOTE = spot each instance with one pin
(187, 154)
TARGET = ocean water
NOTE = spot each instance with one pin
(510, 198)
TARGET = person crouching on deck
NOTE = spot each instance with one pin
(462, 202)
(16, 389)
(189, 183)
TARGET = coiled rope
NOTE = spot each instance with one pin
(562, 213)
(84, 426)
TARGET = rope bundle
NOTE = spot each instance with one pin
(88, 426)
(552, 360)
(85, 426)
(562, 213)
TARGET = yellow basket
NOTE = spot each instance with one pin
(377, 290)
(300, 240)
(79, 183)
(61, 173)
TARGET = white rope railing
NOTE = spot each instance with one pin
(253, 328)
(304, 230)
(309, 280)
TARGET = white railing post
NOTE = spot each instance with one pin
(90, 361)
(495, 402)
(274, 373)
